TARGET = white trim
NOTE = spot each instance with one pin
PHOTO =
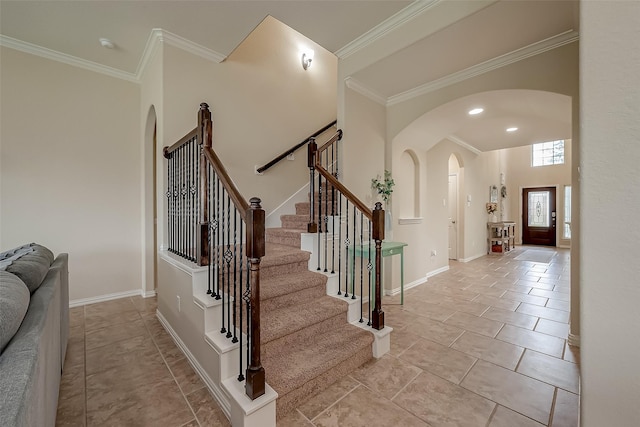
(396, 291)
(53, 55)
(103, 298)
(218, 394)
(533, 49)
(464, 144)
(471, 258)
(385, 27)
(406, 221)
(175, 40)
(148, 294)
(150, 50)
(438, 271)
(186, 266)
(156, 37)
(574, 340)
(363, 90)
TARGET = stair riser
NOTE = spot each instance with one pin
(272, 348)
(276, 270)
(288, 402)
(291, 299)
(303, 208)
(288, 240)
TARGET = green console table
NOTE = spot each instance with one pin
(388, 249)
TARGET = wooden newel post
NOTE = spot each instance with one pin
(255, 384)
(312, 147)
(377, 320)
(205, 131)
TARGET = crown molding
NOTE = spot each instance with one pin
(385, 27)
(159, 36)
(533, 49)
(464, 144)
(357, 86)
(156, 38)
(65, 58)
(175, 40)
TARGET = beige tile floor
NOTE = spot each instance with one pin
(483, 344)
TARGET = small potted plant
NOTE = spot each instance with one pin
(384, 187)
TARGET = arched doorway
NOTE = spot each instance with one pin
(150, 206)
(453, 201)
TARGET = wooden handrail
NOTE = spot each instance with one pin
(188, 137)
(334, 181)
(241, 204)
(294, 148)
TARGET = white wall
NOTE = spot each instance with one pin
(70, 168)
(610, 202)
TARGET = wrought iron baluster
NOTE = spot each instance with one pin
(361, 261)
(227, 256)
(235, 265)
(326, 214)
(320, 222)
(347, 243)
(223, 294)
(187, 215)
(340, 244)
(370, 268)
(355, 226)
(239, 302)
(210, 242)
(218, 242)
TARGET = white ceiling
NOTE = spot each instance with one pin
(73, 28)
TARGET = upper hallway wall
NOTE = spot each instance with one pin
(262, 102)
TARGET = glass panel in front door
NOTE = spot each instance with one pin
(538, 209)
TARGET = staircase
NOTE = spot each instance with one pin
(307, 342)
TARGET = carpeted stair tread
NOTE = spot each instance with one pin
(273, 287)
(277, 254)
(279, 323)
(305, 361)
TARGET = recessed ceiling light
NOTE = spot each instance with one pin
(513, 129)
(107, 43)
(476, 111)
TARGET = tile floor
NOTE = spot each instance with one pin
(483, 344)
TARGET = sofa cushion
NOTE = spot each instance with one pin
(32, 267)
(14, 302)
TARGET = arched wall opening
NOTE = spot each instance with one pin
(150, 213)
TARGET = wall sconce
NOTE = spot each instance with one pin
(307, 57)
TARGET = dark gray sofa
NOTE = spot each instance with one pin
(32, 348)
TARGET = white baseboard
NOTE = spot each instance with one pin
(396, 291)
(438, 271)
(108, 297)
(148, 294)
(471, 258)
(216, 392)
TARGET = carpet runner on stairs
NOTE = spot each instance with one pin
(306, 341)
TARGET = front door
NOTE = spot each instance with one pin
(539, 216)
(453, 216)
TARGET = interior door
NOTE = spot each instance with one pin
(453, 216)
(539, 216)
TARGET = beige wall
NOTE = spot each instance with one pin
(610, 202)
(262, 102)
(70, 168)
